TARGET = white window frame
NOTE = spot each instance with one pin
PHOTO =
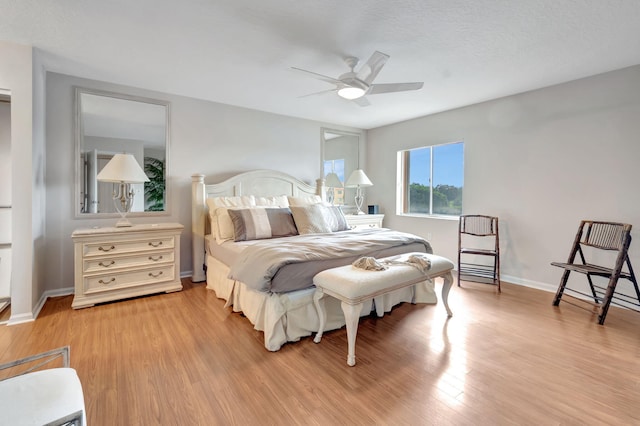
(402, 183)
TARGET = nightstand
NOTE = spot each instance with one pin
(118, 263)
(362, 221)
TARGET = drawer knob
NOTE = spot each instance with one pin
(106, 265)
(155, 244)
(151, 274)
(155, 258)
(107, 282)
(106, 249)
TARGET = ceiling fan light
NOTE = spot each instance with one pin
(350, 92)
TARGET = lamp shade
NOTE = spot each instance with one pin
(332, 181)
(358, 178)
(122, 168)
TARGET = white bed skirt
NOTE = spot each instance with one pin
(289, 316)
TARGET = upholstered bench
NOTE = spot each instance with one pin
(52, 396)
(353, 286)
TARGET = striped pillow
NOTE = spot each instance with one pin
(260, 223)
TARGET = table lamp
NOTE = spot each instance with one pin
(122, 170)
(358, 180)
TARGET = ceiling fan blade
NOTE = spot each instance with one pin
(318, 76)
(375, 89)
(370, 70)
(319, 93)
(362, 101)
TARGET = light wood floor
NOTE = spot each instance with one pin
(182, 358)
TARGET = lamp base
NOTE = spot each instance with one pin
(359, 199)
(123, 223)
(123, 200)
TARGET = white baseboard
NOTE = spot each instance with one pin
(57, 293)
(22, 318)
(551, 288)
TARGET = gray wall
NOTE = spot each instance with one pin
(215, 139)
(541, 161)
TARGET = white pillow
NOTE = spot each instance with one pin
(335, 219)
(305, 200)
(277, 201)
(221, 224)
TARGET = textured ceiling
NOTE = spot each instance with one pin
(239, 52)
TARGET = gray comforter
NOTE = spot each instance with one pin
(259, 265)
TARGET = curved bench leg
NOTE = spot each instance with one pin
(448, 280)
(322, 314)
(351, 315)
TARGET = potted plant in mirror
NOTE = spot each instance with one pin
(154, 189)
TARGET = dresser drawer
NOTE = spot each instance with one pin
(105, 264)
(108, 282)
(115, 247)
(365, 226)
(364, 221)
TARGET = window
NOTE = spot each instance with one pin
(431, 179)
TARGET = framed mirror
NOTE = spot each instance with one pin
(111, 123)
(340, 157)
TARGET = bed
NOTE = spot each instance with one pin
(255, 208)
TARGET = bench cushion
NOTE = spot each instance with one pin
(354, 283)
(41, 397)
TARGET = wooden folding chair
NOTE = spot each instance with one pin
(473, 228)
(600, 236)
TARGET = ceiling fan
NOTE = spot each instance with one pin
(354, 85)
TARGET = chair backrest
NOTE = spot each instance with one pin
(605, 235)
(36, 362)
(479, 225)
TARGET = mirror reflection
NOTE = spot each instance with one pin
(109, 124)
(340, 158)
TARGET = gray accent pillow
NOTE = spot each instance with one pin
(310, 219)
(319, 219)
(261, 223)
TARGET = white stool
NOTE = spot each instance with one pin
(352, 286)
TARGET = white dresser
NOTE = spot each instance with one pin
(117, 263)
(360, 221)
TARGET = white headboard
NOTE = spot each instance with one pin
(264, 183)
